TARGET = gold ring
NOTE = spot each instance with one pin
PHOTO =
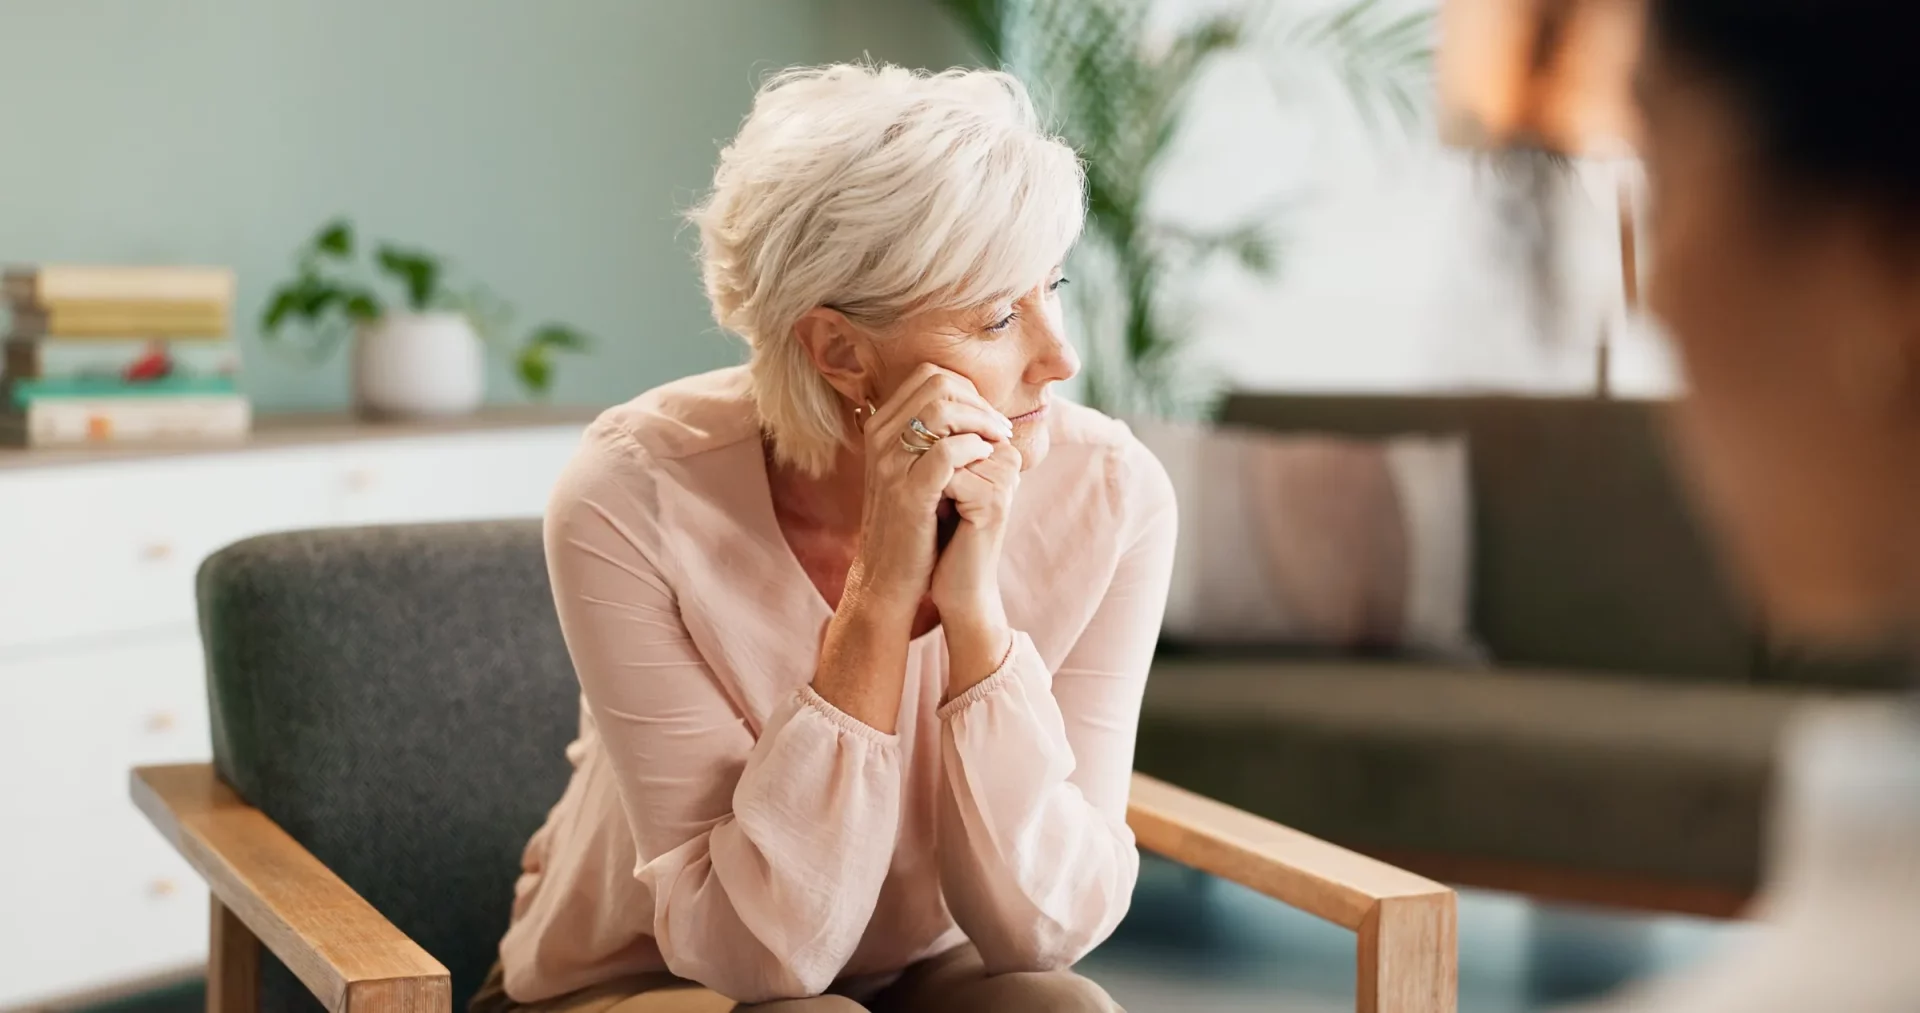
(915, 427)
(920, 429)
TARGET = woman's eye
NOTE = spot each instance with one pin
(1003, 323)
(1055, 287)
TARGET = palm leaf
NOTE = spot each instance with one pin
(1176, 75)
(1094, 84)
(1382, 58)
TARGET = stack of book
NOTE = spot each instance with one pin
(120, 354)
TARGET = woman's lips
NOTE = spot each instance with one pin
(1033, 416)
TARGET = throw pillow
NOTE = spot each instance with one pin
(1319, 542)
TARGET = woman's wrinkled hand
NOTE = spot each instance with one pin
(966, 578)
(895, 565)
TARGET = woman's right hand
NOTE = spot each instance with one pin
(899, 521)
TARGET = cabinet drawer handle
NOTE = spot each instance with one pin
(360, 479)
(161, 889)
(156, 552)
(160, 721)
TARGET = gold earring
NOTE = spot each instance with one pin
(862, 420)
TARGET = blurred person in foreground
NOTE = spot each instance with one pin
(1785, 174)
(858, 719)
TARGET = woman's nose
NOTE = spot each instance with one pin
(1054, 357)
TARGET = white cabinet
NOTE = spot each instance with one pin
(95, 893)
(472, 477)
(112, 549)
(101, 668)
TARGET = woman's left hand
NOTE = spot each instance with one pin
(966, 580)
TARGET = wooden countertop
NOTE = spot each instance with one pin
(273, 430)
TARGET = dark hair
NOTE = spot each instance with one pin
(1832, 87)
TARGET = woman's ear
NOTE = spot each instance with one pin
(839, 351)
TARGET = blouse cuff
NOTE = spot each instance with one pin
(844, 721)
(985, 687)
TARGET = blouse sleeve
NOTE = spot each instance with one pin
(763, 859)
(1036, 859)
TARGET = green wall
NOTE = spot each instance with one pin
(546, 145)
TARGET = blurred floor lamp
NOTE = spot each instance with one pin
(1552, 76)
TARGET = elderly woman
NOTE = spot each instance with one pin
(862, 627)
(1785, 173)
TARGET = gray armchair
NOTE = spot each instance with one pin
(390, 708)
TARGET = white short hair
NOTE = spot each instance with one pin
(880, 192)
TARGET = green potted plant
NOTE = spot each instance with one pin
(422, 354)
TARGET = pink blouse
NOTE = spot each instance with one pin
(727, 824)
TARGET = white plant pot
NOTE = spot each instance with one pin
(412, 365)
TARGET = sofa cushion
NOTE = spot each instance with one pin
(1349, 544)
(1654, 779)
(1587, 556)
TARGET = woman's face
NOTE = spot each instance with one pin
(1797, 323)
(1014, 351)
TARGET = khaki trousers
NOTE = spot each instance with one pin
(953, 982)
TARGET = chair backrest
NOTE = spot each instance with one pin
(399, 700)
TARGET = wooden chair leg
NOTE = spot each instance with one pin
(233, 964)
(1408, 948)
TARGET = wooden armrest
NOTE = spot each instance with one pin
(347, 953)
(1409, 953)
